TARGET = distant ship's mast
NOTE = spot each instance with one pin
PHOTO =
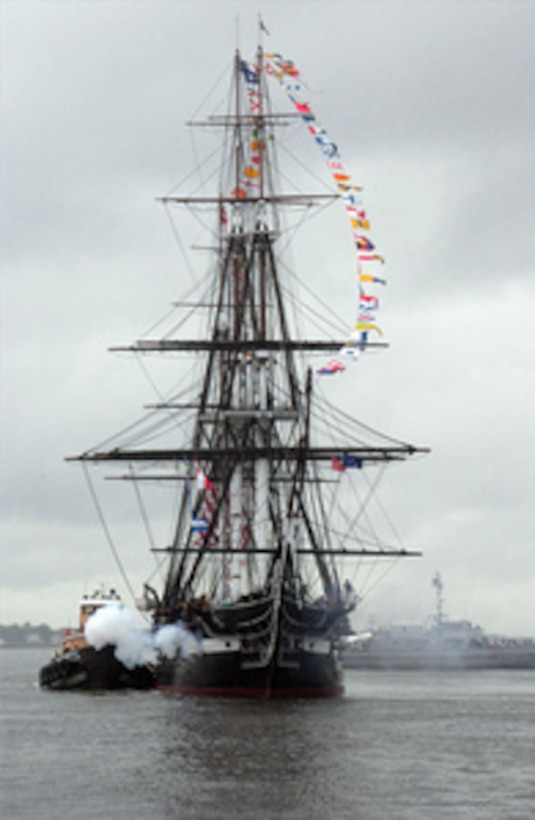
(439, 589)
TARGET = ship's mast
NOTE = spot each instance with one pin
(439, 593)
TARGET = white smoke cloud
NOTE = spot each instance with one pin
(114, 624)
(173, 638)
(136, 644)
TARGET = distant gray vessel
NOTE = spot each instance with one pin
(445, 644)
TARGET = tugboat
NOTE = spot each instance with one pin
(262, 462)
(78, 665)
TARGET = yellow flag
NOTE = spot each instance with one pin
(367, 326)
(360, 223)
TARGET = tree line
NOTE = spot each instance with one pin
(28, 634)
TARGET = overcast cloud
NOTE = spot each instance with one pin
(432, 105)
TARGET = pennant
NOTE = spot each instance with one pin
(367, 308)
(333, 366)
(358, 222)
(367, 277)
(363, 243)
(358, 218)
(371, 301)
(327, 146)
(351, 351)
(368, 326)
(203, 482)
(349, 197)
(349, 461)
(284, 66)
(198, 524)
(251, 76)
(365, 256)
(337, 464)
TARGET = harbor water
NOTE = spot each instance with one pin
(405, 745)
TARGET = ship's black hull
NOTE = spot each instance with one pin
(305, 674)
(261, 646)
(93, 669)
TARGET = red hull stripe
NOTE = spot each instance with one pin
(255, 692)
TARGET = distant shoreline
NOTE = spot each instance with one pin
(27, 645)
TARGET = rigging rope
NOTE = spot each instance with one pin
(107, 533)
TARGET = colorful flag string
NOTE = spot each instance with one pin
(288, 76)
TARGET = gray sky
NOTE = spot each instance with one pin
(432, 106)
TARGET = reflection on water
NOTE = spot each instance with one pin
(406, 745)
(259, 757)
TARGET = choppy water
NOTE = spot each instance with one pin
(399, 745)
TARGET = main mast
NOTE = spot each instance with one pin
(240, 410)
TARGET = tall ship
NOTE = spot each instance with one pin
(258, 575)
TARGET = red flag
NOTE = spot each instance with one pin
(337, 464)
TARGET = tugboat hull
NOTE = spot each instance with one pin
(90, 668)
